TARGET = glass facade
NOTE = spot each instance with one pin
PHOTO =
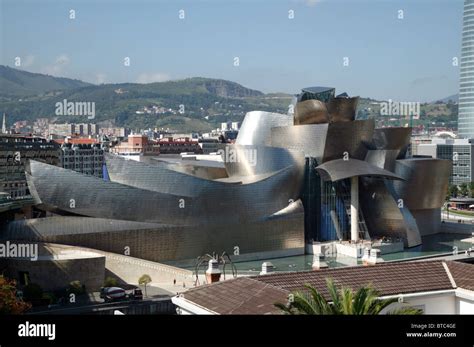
(466, 80)
(462, 158)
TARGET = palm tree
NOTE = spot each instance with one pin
(344, 301)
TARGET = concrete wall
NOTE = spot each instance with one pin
(457, 228)
(464, 306)
(439, 304)
(57, 274)
(129, 269)
(460, 301)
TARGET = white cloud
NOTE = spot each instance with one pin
(101, 78)
(153, 77)
(63, 59)
(28, 61)
(58, 67)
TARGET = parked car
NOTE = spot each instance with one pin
(136, 294)
(110, 294)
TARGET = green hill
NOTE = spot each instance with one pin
(19, 83)
(206, 102)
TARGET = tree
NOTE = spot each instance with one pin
(343, 302)
(453, 191)
(463, 189)
(9, 302)
(144, 280)
(76, 288)
(110, 282)
(471, 189)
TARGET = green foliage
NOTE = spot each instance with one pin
(144, 280)
(19, 83)
(344, 301)
(452, 191)
(76, 288)
(9, 302)
(110, 282)
(463, 189)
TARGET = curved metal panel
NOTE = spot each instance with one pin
(216, 203)
(282, 235)
(309, 139)
(383, 158)
(383, 215)
(257, 125)
(392, 138)
(311, 112)
(342, 109)
(339, 169)
(257, 160)
(352, 138)
(426, 182)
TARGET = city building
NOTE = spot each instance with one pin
(83, 155)
(318, 175)
(172, 145)
(15, 150)
(63, 130)
(69, 129)
(41, 127)
(435, 287)
(135, 146)
(466, 82)
(87, 129)
(459, 151)
(116, 132)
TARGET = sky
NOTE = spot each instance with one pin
(384, 49)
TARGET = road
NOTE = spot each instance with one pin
(455, 217)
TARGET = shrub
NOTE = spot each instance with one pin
(110, 282)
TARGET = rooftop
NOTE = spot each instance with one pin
(257, 294)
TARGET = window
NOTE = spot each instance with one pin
(24, 277)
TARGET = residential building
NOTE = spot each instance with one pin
(117, 132)
(179, 145)
(82, 155)
(136, 145)
(459, 151)
(64, 129)
(433, 286)
(15, 150)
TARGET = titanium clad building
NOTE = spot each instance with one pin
(466, 78)
(316, 175)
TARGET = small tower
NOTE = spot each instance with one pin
(4, 124)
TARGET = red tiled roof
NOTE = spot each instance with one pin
(242, 295)
(388, 278)
(462, 273)
(78, 141)
(258, 294)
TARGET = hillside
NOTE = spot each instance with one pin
(193, 104)
(21, 83)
